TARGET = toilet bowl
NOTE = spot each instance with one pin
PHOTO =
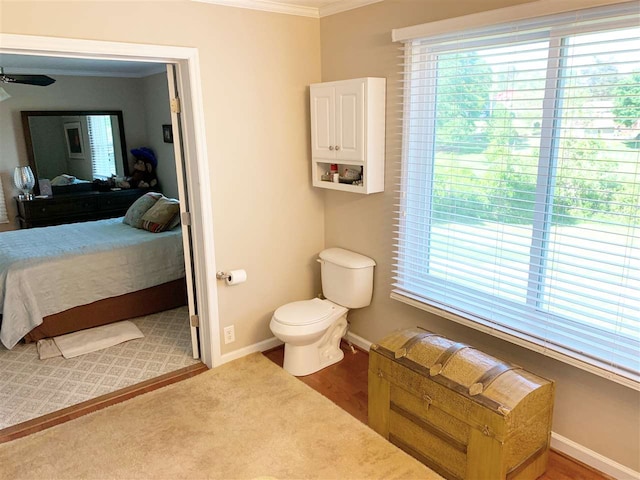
(311, 331)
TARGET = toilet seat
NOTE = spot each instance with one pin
(305, 312)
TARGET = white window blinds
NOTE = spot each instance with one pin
(520, 196)
(3, 208)
(103, 158)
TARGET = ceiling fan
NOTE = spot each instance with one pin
(39, 80)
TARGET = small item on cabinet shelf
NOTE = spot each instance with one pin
(351, 174)
(335, 176)
(326, 177)
(349, 181)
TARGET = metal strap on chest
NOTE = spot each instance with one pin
(406, 346)
(444, 358)
(489, 377)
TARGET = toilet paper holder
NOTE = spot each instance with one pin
(232, 277)
(223, 275)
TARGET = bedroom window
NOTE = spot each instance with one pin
(520, 197)
(4, 218)
(103, 158)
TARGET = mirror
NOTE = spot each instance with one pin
(71, 149)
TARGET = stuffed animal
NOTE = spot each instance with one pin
(144, 169)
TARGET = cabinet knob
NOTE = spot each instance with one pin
(331, 147)
(337, 148)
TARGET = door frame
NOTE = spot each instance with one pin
(187, 65)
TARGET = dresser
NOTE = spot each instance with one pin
(75, 207)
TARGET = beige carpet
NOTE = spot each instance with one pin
(245, 419)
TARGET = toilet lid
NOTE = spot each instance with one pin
(305, 312)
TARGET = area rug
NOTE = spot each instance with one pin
(245, 419)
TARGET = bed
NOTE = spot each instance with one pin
(59, 279)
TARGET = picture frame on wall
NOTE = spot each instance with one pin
(167, 134)
(73, 137)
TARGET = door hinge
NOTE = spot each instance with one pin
(195, 320)
(175, 105)
(186, 218)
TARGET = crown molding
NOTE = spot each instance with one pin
(290, 9)
(267, 6)
(343, 6)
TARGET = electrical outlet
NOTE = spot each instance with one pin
(229, 334)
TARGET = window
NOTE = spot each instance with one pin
(520, 204)
(4, 218)
(103, 158)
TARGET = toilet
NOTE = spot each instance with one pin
(311, 329)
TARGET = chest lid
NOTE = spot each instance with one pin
(480, 377)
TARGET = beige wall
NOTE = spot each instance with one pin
(255, 68)
(591, 411)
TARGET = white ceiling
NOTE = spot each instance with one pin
(33, 64)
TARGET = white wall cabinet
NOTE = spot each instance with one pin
(348, 129)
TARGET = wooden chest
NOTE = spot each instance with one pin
(464, 414)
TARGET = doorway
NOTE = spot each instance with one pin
(188, 83)
(198, 220)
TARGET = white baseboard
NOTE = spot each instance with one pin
(593, 459)
(267, 344)
(357, 340)
(558, 442)
(273, 342)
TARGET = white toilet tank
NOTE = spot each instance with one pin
(347, 277)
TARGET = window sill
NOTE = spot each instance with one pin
(495, 331)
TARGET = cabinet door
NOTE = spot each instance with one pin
(350, 121)
(323, 122)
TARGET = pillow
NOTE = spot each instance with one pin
(164, 215)
(138, 208)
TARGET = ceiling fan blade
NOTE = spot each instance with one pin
(39, 80)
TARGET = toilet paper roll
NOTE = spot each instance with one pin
(236, 276)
